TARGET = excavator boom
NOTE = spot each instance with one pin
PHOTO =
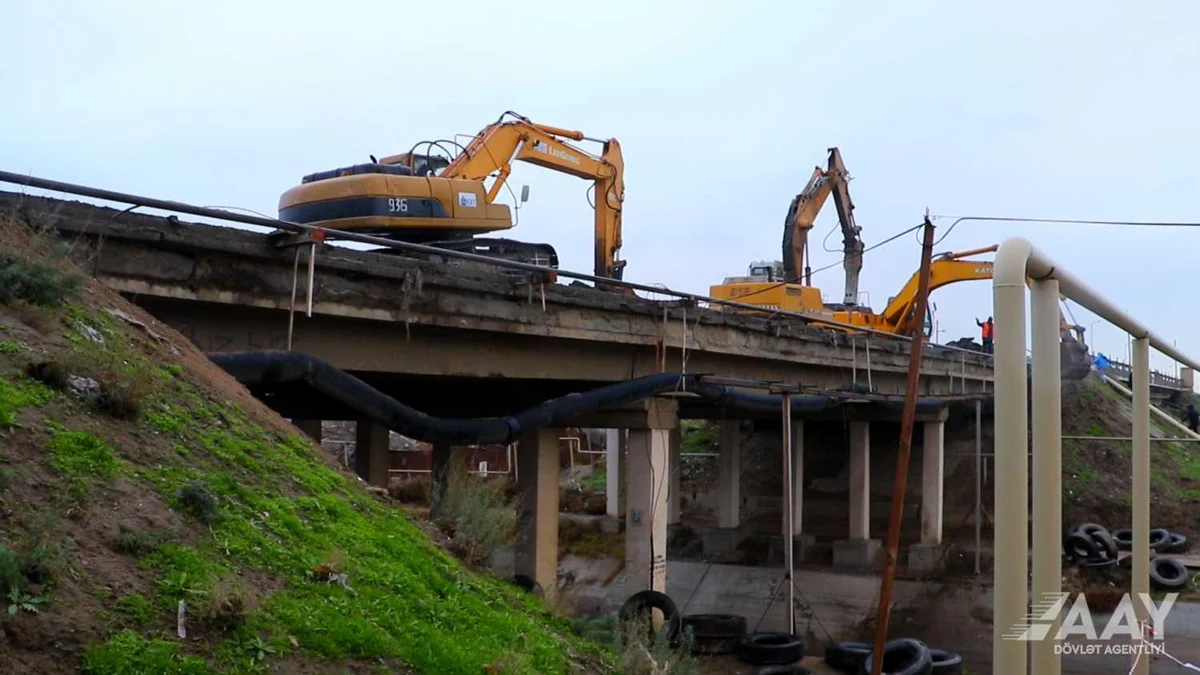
(493, 150)
(802, 213)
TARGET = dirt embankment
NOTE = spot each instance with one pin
(156, 518)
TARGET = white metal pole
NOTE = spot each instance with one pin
(1141, 485)
(1011, 463)
(1047, 466)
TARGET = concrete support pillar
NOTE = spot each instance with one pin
(860, 480)
(1189, 378)
(310, 428)
(612, 494)
(859, 550)
(537, 514)
(649, 462)
(371, 457)
(932, 483)
(675, 491)
(797, 449)
(446, 460)
(729, 476)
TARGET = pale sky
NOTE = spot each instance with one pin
(1030, 109)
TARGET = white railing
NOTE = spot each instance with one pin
(1017, 260)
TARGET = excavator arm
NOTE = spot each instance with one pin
(802, 213)
(493, 150)
(947, 269)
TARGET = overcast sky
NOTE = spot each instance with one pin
(1065, 109)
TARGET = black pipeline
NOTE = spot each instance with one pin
(267, 368)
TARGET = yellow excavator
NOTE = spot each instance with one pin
(899, 315)
(441, 197)
(788, 284)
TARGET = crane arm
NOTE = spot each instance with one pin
(493, 150)
(802, 213)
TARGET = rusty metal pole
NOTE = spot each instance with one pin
(906, 430)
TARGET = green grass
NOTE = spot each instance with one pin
(82, 457)
(9, 347)
(135, 607)
(698, 437)
(286, 512)
(128, 653)
(18, 394)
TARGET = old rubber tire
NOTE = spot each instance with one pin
(1088, 528)
(771, 649)
(782, 670)
(902, 657)
(1177, 544)
(1168, 573)
(715, 633)
(846, 657)
(1124, 539)
(1104, 544)
(527, 584)
(1159, 538)
(644, 601)
(945, 663)
(1081, 546)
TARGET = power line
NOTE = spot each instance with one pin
(1060, 221)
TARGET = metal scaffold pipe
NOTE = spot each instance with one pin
(1016, 261)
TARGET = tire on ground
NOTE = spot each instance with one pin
(1159, 538)
(1177, 544)
(846, 657)
(771, 649)
(715, 633)
(945, 663)
(1124, 538)
(782, 670)
(1081, 546)
(527, 584)
(1168, 573)
(1088, 528)
(641, 603)
(902, 657)
(1105, 544)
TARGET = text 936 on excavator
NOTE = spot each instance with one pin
(446, 199)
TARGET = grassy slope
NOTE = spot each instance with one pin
(1096, 474)
(207, 498)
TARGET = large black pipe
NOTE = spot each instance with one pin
(269, 368)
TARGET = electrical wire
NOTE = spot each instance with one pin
(1060, 221)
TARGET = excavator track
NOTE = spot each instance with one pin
(501, 249)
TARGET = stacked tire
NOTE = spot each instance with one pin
(900, 657)
(1161, 541)
(1091, 546)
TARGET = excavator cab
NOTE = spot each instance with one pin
(421, 165)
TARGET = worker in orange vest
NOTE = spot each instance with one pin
(988, 333)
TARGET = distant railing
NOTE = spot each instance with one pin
(1123, 371)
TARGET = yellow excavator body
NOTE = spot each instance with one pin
(445, 201)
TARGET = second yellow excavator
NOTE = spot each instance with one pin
(442, 199)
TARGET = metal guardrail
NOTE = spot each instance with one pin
(1124, 371)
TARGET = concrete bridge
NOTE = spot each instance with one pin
(456, 340)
